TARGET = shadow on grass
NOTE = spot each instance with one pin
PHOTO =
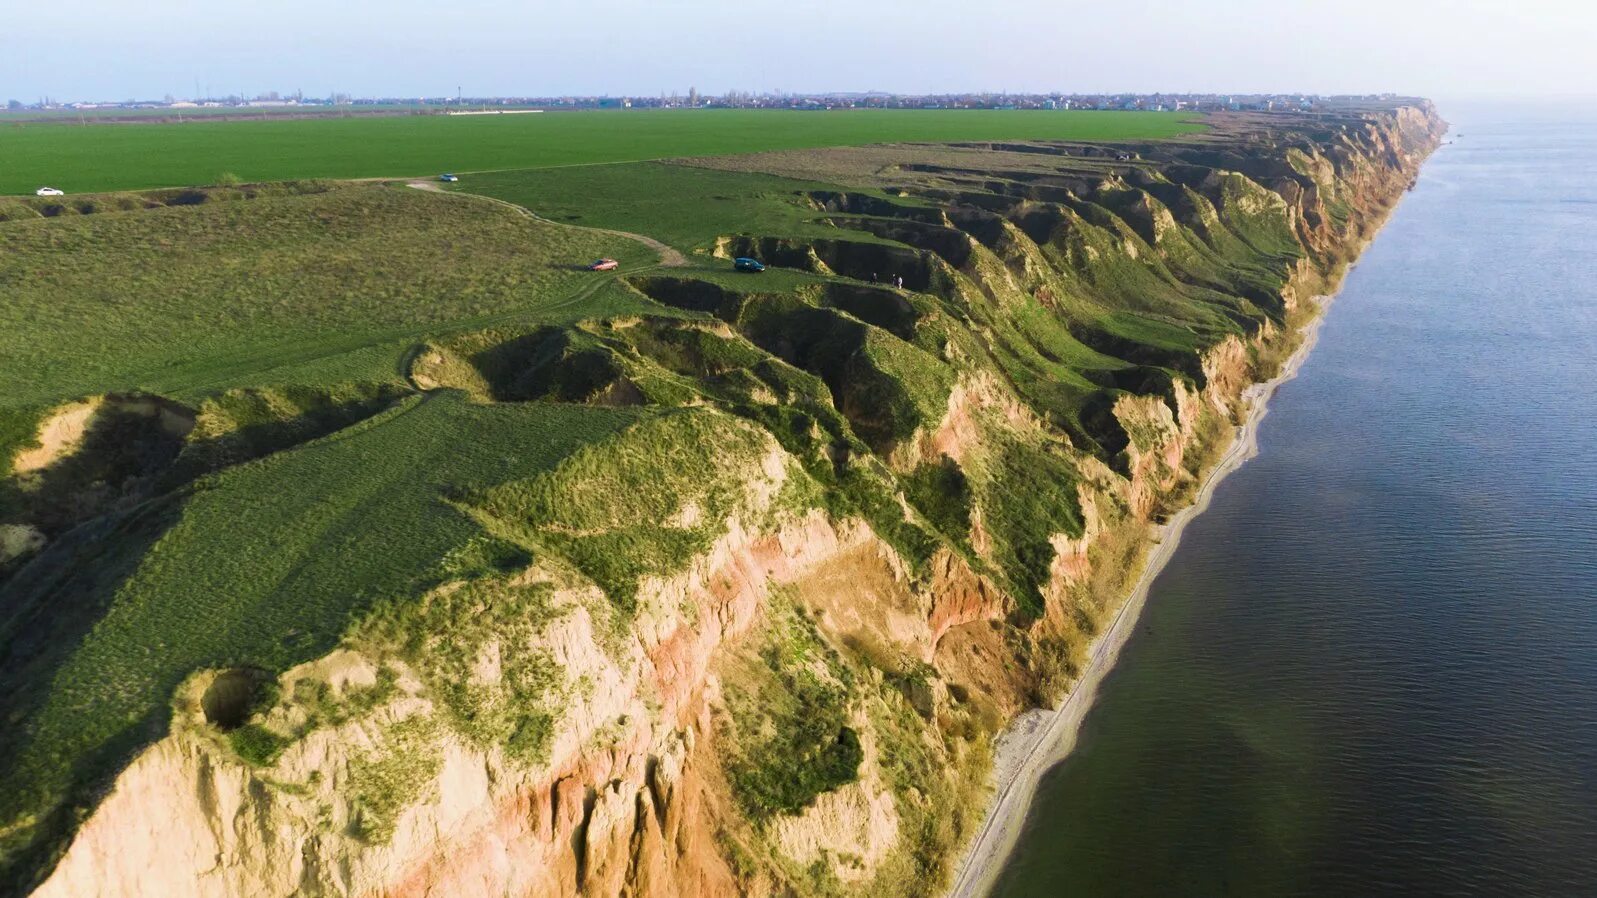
(47, 608)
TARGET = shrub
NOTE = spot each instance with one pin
(256, 745)
(790, 719)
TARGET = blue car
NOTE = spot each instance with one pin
(754, 265)
(448, 178)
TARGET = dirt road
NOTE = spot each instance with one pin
(669, 256)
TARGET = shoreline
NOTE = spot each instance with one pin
(1038, 739)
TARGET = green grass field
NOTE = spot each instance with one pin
(81, 159)
(681, 205)
(188, 300)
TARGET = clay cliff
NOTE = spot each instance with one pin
(760, 640)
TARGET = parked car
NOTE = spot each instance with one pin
(49, 191)
(746, 264)
(448, 178)
(604, 265)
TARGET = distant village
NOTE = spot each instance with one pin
(692, 99)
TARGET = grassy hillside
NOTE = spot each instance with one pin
(190, 298)
(79, 160)
(262, 565)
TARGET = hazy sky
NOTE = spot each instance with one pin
(117, 49)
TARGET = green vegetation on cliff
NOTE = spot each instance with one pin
(787, 727)
(645, 502)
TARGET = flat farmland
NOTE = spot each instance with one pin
(103, 157)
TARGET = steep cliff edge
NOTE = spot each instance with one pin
(756, 636)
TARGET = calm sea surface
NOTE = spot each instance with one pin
(1371, 667)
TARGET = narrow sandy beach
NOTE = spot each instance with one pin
(1038, 739)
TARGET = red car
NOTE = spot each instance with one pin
(604, 265)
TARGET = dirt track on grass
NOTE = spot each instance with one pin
(670, 257)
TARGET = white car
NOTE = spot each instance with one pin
(49, 191)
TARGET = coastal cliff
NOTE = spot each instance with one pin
(758, 638)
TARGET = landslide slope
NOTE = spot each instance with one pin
(394, 556)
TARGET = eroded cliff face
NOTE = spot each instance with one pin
(804, 702)
(631, 799)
